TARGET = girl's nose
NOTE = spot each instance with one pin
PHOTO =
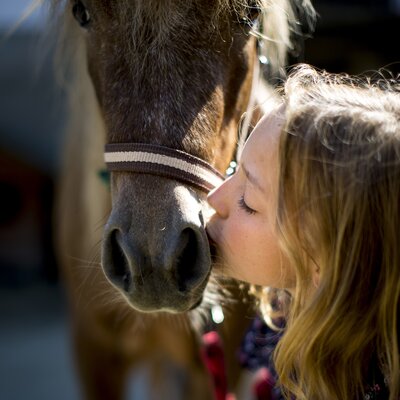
(218, 199)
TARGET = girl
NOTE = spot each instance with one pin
(314, 210)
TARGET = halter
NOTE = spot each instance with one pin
(162, 161)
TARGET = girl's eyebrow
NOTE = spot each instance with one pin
(252, 179)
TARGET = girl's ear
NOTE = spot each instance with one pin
(315, 275)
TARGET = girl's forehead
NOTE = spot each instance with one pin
(261, 153)
(261, 149)
(270, 125)
(276, 115)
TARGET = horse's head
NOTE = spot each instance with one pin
(175, 73)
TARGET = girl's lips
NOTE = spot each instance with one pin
(213, 245)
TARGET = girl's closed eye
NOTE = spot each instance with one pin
(245, 207)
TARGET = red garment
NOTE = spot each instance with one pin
(213, 358)
(264, 384)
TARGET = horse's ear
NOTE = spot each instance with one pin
(250, 14)
(281, 23)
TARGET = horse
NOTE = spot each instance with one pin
(176, 74)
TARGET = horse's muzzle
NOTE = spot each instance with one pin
(159, 263)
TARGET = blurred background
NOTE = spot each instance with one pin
(35, 356)
(352, 36)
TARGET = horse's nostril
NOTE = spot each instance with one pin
(186, 271)
(118, 270)
(127, 279)
(181, 266)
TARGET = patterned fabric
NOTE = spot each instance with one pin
(256, 355)
(378, 390)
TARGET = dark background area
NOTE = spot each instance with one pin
(355, 36)
(352, 36)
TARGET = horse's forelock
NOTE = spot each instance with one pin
(164, 17)
(277, 22)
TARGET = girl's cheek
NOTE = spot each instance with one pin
(236, 235)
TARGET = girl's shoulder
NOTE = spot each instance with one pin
(256, 353)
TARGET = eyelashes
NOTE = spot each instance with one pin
(245, 207)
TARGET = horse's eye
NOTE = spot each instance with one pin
(250, 14)
(81, 13)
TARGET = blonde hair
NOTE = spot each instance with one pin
(339, 212)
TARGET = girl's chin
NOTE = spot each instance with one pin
(219, 264)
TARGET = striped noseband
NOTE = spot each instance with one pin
(162, 161)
